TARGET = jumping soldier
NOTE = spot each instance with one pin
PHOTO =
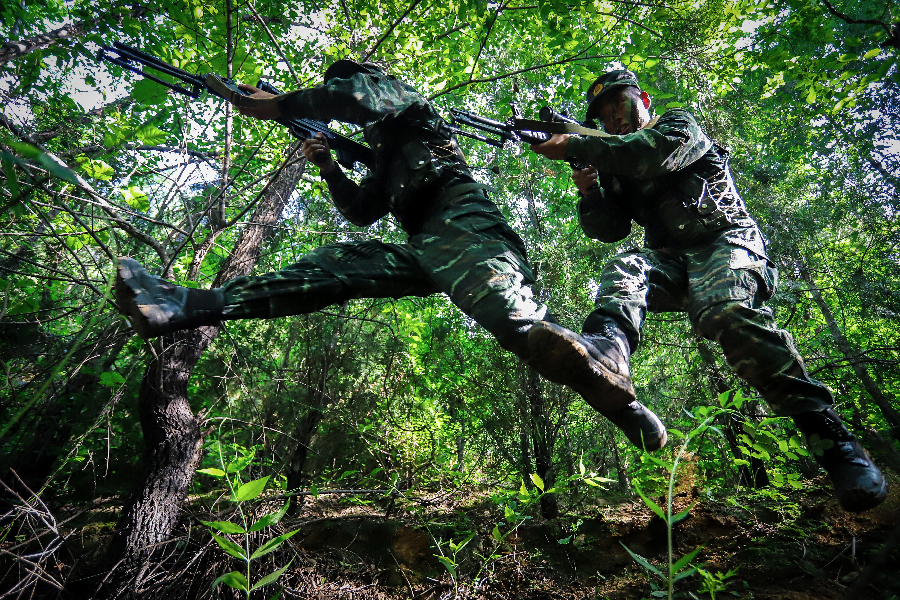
(459, 243)
(703, 255)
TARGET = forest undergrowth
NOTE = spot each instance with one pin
(765, 544)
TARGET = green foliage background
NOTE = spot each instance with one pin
(411, 392)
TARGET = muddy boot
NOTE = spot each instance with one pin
(596, 366)
(858, 483)
(156, 306)
(640, 425)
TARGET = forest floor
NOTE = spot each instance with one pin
(792, 544)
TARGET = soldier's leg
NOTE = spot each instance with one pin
(328, 275)
(629, 284)
(728, 286)
(480, 263)
(633, 283)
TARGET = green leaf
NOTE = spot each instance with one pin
(683, 514)
(26, 150)
(272, 545)
(96, 169)
(653, 505)
(12, 179)
(495, 533)
(508, 513)
(685, 574)
(235, 579)
(111, 379)
(151, 135)
(136, 198)
(448, 564)
(271, 577)
(241, 463)
(457, 547)
(684, 560)
(213, 472)
(251, 489)
(270, 519)
(537, 481)
(224, 526)
(230, 547)
(148, 92)
(643, 562)
(872, 53)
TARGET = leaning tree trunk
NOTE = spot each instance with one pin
(885, 404)
(171, 430)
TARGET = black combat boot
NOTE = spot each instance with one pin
(156, 306)
(596, 366)
(858, 483)
(640, 425)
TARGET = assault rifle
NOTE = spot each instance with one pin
(346, 150)
(518, 129)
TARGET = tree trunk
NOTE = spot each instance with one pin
(171, 430)
(542, 442)
(752, 476)
(891, 414)
(621, 470)
(309, 424)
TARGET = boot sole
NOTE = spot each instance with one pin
(603, 388)
(130, 295)
(861, 500)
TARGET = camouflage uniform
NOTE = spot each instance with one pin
(459, 242)
(704, 254)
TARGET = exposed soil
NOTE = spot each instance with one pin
(800, 546)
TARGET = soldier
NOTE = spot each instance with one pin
(459, 242)
(704, 255)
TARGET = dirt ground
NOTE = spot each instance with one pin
(796, 545)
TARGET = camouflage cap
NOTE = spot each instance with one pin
(609, 81)
(344, 68)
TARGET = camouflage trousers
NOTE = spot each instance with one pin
(466, 250)
(722, 288)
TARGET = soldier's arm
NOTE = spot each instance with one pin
(600, 212)
(675, 142)
(362, 204)
(358, 99)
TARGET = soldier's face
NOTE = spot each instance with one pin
(624, 110)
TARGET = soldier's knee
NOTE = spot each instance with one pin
(712, 321)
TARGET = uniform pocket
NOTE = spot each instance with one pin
(761, 268)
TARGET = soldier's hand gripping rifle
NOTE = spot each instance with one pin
(347, 151)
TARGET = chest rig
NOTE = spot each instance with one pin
(413, 156)
(708, 191)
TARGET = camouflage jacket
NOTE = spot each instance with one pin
(671, 179)
(416, 156)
